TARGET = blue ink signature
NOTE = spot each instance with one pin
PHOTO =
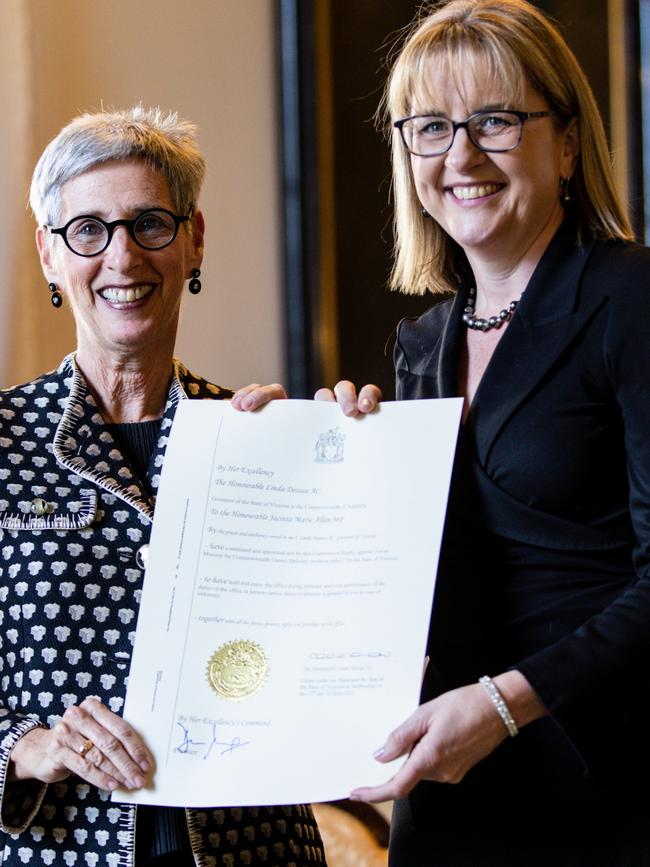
(185, 746)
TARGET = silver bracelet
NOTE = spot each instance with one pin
(500, 705)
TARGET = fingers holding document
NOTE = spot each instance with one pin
(255, 396)
(443, 739)
(351, 403)
(89, 741)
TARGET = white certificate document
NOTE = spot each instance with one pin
(287, 596)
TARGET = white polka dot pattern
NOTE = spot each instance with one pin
(72, 518)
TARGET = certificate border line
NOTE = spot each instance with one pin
(196, 572)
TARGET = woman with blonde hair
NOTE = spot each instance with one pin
(534, 701)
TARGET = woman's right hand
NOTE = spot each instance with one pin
(255, 396)
(118, 756)
(345, 394)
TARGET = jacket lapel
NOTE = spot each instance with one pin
(82, 442)
(450, 342)
(551, 314)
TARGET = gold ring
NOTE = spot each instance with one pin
(85, 748)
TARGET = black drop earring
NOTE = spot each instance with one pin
(195, 283)
(55, 297)
(565, 195)
(425, 213)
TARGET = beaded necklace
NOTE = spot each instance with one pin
(478, 324)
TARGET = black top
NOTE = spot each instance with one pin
(137, 441)
(545, 566)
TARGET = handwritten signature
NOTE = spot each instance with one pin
(188, 746)
(355, 654)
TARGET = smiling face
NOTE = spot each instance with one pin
(495, 205)
(125, 300)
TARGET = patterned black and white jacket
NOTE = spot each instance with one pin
(70, 587)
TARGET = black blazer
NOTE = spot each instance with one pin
(554, 469)
(545, 564)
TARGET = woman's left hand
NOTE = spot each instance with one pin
(254, 396)
(351, 403)
(446, 737)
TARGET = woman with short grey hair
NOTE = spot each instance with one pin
(115, 196)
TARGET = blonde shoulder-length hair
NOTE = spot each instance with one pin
(502, 44)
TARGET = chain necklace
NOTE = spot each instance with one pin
(497, 321)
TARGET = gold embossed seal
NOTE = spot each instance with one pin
(237, 669)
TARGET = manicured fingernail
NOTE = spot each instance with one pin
(145, 766)
(137, 782)
(353, 797)
(112, 785)
(348, 407)
(247, 403)
(378, 753)
(365, 403)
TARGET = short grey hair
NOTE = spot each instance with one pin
(159, 138)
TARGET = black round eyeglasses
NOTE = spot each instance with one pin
(89, 235)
